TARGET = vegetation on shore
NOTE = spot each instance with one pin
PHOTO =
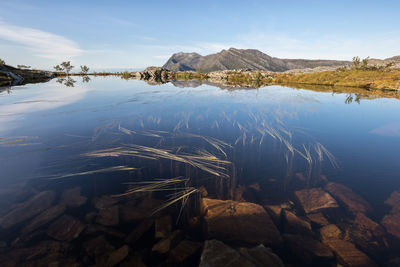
(360, 74)
(189, 75)
(374, 79)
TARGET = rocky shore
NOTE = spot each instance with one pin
(10, 76)
(318, 226)
(374, 79)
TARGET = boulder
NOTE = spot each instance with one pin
(275, 212)
(308, 249)
(391, 222)
(139, 231)
(261, 256)
(118, 256)
(43, 218)
(42, 254)
(66, 228)
(315, 200)
(216, 253)
(104, 202)
(163, 227)
(329, 232)
(132, 213)
(240, 222)
(135, 261)
(72, 197)
(295, 225)
(184, 250)
(96, 229)
(165, 245)
(318, 218)
(348, 255)
(362, 222)
(108, 216)
(345, 195)
(98, 247)
(394, 200)
(28, 209)
(90, 217)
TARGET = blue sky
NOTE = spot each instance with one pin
(136, 34)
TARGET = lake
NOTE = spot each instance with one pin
(100, 158)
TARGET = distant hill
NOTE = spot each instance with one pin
(396, 58)
(241, 59)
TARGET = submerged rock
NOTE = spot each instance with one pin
(139, 231)
(295, 225)
(165, 245)
(351, 200)
(318, 218)
(391, 222)
(117, 256)
(73, 198)
(184, 250)
(66, 228)
(135, 261)
(28, 209)
(104, 202)
(145, 209)
(275, 212)
(216, 253)
(44, 218)
(44, 253)
(330, 232)
(108, 216)
(163, 227)
(308, 249)
(240, 222)
(394, 200)
(348, 254)
(98, 248)
(95, 229)
(315, 200)
(261, 256)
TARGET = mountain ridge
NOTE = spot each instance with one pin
(234, 58)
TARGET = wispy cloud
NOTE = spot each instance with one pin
(43, 44)
(285, 46)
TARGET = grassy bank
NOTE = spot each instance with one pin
(189, 75)
(373, 79)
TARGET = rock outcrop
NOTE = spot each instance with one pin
(14, 76)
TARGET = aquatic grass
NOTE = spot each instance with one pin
(204, 161)
(154, 185)
(103, 170)
(17, 140)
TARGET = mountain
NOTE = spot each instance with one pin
(396, 58)
(241, 59)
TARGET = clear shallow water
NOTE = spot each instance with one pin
(47, 131)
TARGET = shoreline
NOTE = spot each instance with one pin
(385, 80)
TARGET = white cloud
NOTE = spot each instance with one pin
(284, 46)
(43, 44)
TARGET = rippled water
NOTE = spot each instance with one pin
(107, 135)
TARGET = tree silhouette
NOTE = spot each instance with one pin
(84, 69)
(66, 66)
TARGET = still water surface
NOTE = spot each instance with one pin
(280, 138)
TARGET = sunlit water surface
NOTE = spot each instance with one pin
(50, 134)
